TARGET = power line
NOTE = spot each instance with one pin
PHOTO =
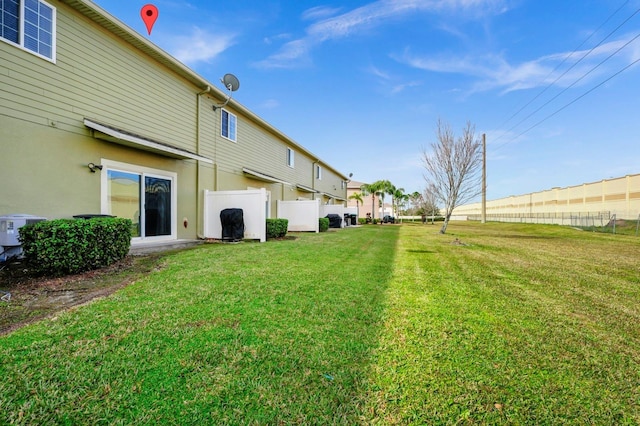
(577, 81)
(570, 55)
(569, 69)
(575, 99)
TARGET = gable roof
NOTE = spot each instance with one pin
(112, 24)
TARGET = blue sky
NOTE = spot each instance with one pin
(362, 83)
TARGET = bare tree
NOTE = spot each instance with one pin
(453, 167)
(416, 202)
(430, 202)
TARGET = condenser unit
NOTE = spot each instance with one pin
(9, 243)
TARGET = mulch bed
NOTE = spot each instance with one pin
(27, 298)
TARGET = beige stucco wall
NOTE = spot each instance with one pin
(45, 173)
(370, 203)
(619, 196)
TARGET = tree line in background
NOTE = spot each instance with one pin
(452, 175)
(402, 204)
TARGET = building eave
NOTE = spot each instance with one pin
(112, 24)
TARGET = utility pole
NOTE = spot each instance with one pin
(484, 179)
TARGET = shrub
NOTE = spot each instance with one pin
(324, 224)
(68, 246)
(362, 221)
(277, 228)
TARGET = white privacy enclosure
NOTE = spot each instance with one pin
(326, 209)
(254, 205)
(302, 215)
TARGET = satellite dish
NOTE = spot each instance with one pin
(231, 83)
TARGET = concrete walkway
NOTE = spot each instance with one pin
(141, 249)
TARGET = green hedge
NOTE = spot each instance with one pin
(68, 246)
(277, 228)
(324, 224)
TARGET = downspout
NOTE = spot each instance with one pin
(199, 220)
(313, 178)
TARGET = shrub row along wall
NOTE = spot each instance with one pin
(620, 197)
(68, 246)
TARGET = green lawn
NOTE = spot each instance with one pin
(508, 324)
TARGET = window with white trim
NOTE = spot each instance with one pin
(146, 196)
(30, 25)
(229, 123)
(290, 158)
(318, 172)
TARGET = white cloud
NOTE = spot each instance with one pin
(319, 12)
(378, 72)
(369, 17)
(292, 54)
(493, 72)
(401, 87)
(199, 46)
(176, 4)
(388, 82)
(270, 104)
(277, 37)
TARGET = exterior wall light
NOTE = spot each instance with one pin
(92, 167)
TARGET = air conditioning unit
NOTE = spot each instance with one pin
(9, 225)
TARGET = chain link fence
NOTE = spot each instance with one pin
(602, 221)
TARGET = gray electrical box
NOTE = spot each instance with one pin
(9, 226)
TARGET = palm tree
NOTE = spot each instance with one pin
(399, 197)
(358, 197)
(378, 188)
(383, 187)
(370, 189)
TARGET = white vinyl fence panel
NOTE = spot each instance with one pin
(302, 215)
(254, 205)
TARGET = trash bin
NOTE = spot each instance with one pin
(232, 224)
(347, 220)
(354, 219)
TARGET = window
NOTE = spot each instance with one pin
(29, 24)
(228, 125)
(290, 157)
(146, 196)
(343, 184)
(318, 172)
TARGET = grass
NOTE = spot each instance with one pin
(525, 324)
(623, 227)
(489, 324)
(223, 334)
